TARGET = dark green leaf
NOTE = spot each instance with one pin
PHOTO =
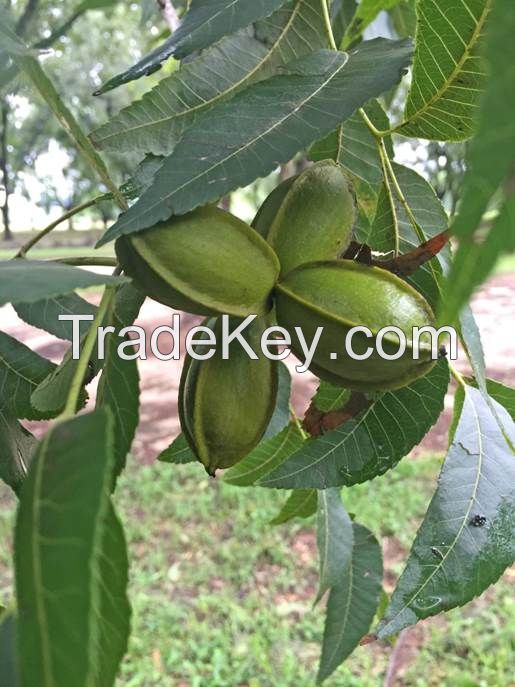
(370, 444)
(206, 22)
(70, 560)
(21, 371)
(179, 452)
(118, 389)
(237, 141)
(265, 457)
(329, 397)
(474, 262)
(8, 659)
(334, 539)
(404, 18)
(16, 447)
(281, 415)
(142, 177)
(467, 538)
(504, 395)
(353, 603)
(448, 70)
(490, 155)
(49, 397)
(471, 340)
(28, 281)
(157, 122)
(44, 314)
(301, 503)
(342, 13)
(392, 228)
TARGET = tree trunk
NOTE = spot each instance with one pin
(4, 170)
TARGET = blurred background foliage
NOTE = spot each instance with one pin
(86, 42)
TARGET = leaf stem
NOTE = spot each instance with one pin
(72, 399)
(41, 234)
(86, 260)
(329, 28)
(297, 422)
(379, 136)
(457, 376)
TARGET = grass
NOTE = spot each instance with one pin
(62, 252)
(220, 599)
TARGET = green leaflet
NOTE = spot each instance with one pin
(21, 371)
(370, 444)
(448, 70)
(179, 452)
(489, 166)
(334, 539)
(157, 122)
(265, 457)
(329, 397)
(28, 281)
(8, 661)
(301, 503)
(239, 140)
(467, 538)
(16, 448)
(474, 262)
(44, 314)
(353, 602)
(118, 389)
(206, 22)
(70, 561)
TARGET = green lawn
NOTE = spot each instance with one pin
(221, 599)
(62, 252)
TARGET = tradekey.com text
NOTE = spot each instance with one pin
(201, 342)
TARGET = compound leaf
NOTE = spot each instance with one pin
(448, 70)
(157, 122)
(71, 560)
(206, 22)
(353, 602)
(467, 538)
(371, 443)
(246, 137)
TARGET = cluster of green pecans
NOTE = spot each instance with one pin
(287, 269)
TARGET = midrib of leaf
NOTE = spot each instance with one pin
(347, 610)
(36, 567)
(324, 455)
(459, 65)
(252, 141)
(472, 501)
(223, 94)
(323, 561)
(16, 372)
(91, 679)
